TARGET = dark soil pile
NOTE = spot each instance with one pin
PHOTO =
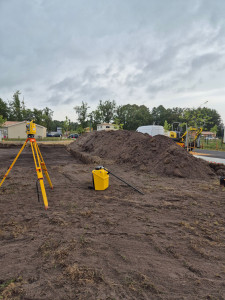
(218, 168)
(158, 154)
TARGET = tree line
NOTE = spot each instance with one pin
(128, 116)
(15, 110)
(131, 116)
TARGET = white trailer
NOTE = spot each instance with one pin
(151, 129)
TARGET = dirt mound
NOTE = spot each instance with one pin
(157, 154)
(218, 168)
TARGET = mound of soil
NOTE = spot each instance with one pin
(158, 154)
(218, 168)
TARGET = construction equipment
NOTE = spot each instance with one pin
(188, 139)
(195, 134)
(100, 178)
(178, 134)
(38, 160)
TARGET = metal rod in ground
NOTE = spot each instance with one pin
(125, 182)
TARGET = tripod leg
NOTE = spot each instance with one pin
(39, 173)
(44, 168)
(10, 168)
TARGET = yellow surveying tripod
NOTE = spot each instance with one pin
(38, 161)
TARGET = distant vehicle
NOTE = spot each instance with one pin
(53, 134)
(73, 136)
(151, 129)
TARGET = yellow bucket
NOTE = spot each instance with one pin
(100, 179)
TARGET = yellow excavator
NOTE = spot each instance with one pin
(189, 138)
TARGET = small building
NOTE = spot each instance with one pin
(107, 126)
(208, 134)
(17, 130)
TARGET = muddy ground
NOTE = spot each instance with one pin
(112, 244)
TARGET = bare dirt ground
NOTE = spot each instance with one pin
(112, 244)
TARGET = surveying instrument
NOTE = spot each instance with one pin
(38, 161)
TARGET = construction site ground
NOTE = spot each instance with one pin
(114, 244)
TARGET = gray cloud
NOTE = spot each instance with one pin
(68, 101)
(68, 84)
(205, 60)
(55, 99)
(60, 53)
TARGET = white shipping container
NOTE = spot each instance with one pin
(151, 129)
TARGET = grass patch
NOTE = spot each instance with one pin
(86, 213)
(83, 274)
(198, 250)
(213, 145)
(187, 225)
(12, 289)
(14, 228)
(48, 247)
(138, 282)
(57, 220)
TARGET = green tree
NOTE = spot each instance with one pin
(160, 115)
(106, 110)
(80, 130)
(2, 120)
(38, 116)
(194, 117)
(95, 117)
(4, 109)
(81, 111)
(16, 108)
(66, 125)
(73, 126)
(27, 114)
(166, 126)
(133, 116)
(214, 129)
(213, 118)
(47, 114)
(174, 114)
(202, 117)
(117, 123)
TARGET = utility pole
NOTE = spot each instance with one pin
(224, 134)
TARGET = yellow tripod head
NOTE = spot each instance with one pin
(31, 129)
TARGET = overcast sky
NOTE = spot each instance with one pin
(152, 52)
